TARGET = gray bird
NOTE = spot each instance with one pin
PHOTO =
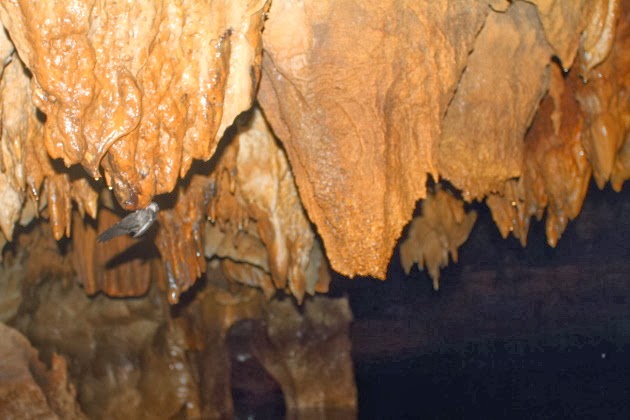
(135, 223)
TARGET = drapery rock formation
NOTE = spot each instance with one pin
(248, 213)
(420, 111)
(141, 88)
(357, 99)
(280, 137)
(482, 131)
(136, 93)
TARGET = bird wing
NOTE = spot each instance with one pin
(127, 225)
(111, 233)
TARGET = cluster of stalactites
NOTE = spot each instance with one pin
(30, 182)
(448, 88)
(434, 237)
(582, 127)
(533, 165)
(138, 90)
(241, 209)
(257, 225)
(128, 90)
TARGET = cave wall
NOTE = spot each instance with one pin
(74, 356)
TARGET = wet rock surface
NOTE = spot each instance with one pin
(129, 96)
(142, 358)
(28, 389)
(280, 139)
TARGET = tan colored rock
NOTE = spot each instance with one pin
(305, 349)
(308, 353)
(27, 172)
(356, 96)
(260, 217)
(126, 363)
(569, 23)
(120, 267)
(247, 210)
(143, 88)
(366, 97)
(556, 171)
(15, 131)
(506, 76)
(28, 390)
(180, 236)
(605, 104)
(434, 237)
(598, 37)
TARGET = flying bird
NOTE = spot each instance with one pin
(135, 223)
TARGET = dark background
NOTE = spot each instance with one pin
(514, 332)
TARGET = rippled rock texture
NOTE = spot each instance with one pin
(365, 98)
(140, 88)
(283, 138)
(373, 96)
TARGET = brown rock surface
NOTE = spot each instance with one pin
(28, 390)
(143, 88)
(356, 97)
(556, 172)
(482, 139)
(27, 170)
(308, 353)
(605, 103)
(591, 24)
(580, 128)
(599, 34)
(366, 97)
(306, 350)
(121, 352)
(516, 101)
(121, 267)
(435, 236)
(140, 358)
(246, 211)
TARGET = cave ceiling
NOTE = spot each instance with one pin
(281, 138)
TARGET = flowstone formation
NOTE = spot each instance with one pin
(497, 98)
(283, 138)
(138, 89)
(369, 97)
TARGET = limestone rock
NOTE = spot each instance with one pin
(506, 76)
(434, 237)
(121, 267)
(28, 390)
(356, 95)
(365, 98)
(606, 107)
(556, 171)
(258, 215)
(143, 88)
